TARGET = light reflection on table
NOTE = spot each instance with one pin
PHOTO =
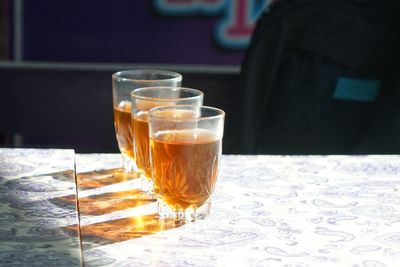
(122, 197)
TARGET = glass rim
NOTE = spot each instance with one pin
(152, 111)
(119, 75)
(199, 93)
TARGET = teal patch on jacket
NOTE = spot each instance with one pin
(356, 89)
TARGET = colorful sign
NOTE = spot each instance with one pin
(233, 30)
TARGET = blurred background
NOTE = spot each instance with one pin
(57, 57)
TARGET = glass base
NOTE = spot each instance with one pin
(146, 185)
(188, 215)
(129, 165)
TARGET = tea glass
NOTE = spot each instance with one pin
(185, 152)
(123, 82)
(143, 99)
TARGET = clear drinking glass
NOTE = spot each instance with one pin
(123, 83)
(185, 149)
(143, 99)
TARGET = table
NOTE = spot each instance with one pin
(266, 211)
(33, 226)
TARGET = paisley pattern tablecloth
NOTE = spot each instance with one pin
(36, 229)
(266, 211)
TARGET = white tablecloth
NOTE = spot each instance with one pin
(266, 211)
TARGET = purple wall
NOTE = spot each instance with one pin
(126, 31)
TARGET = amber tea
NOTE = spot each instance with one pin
(185, 167)
(141, 145)
(123, 128)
